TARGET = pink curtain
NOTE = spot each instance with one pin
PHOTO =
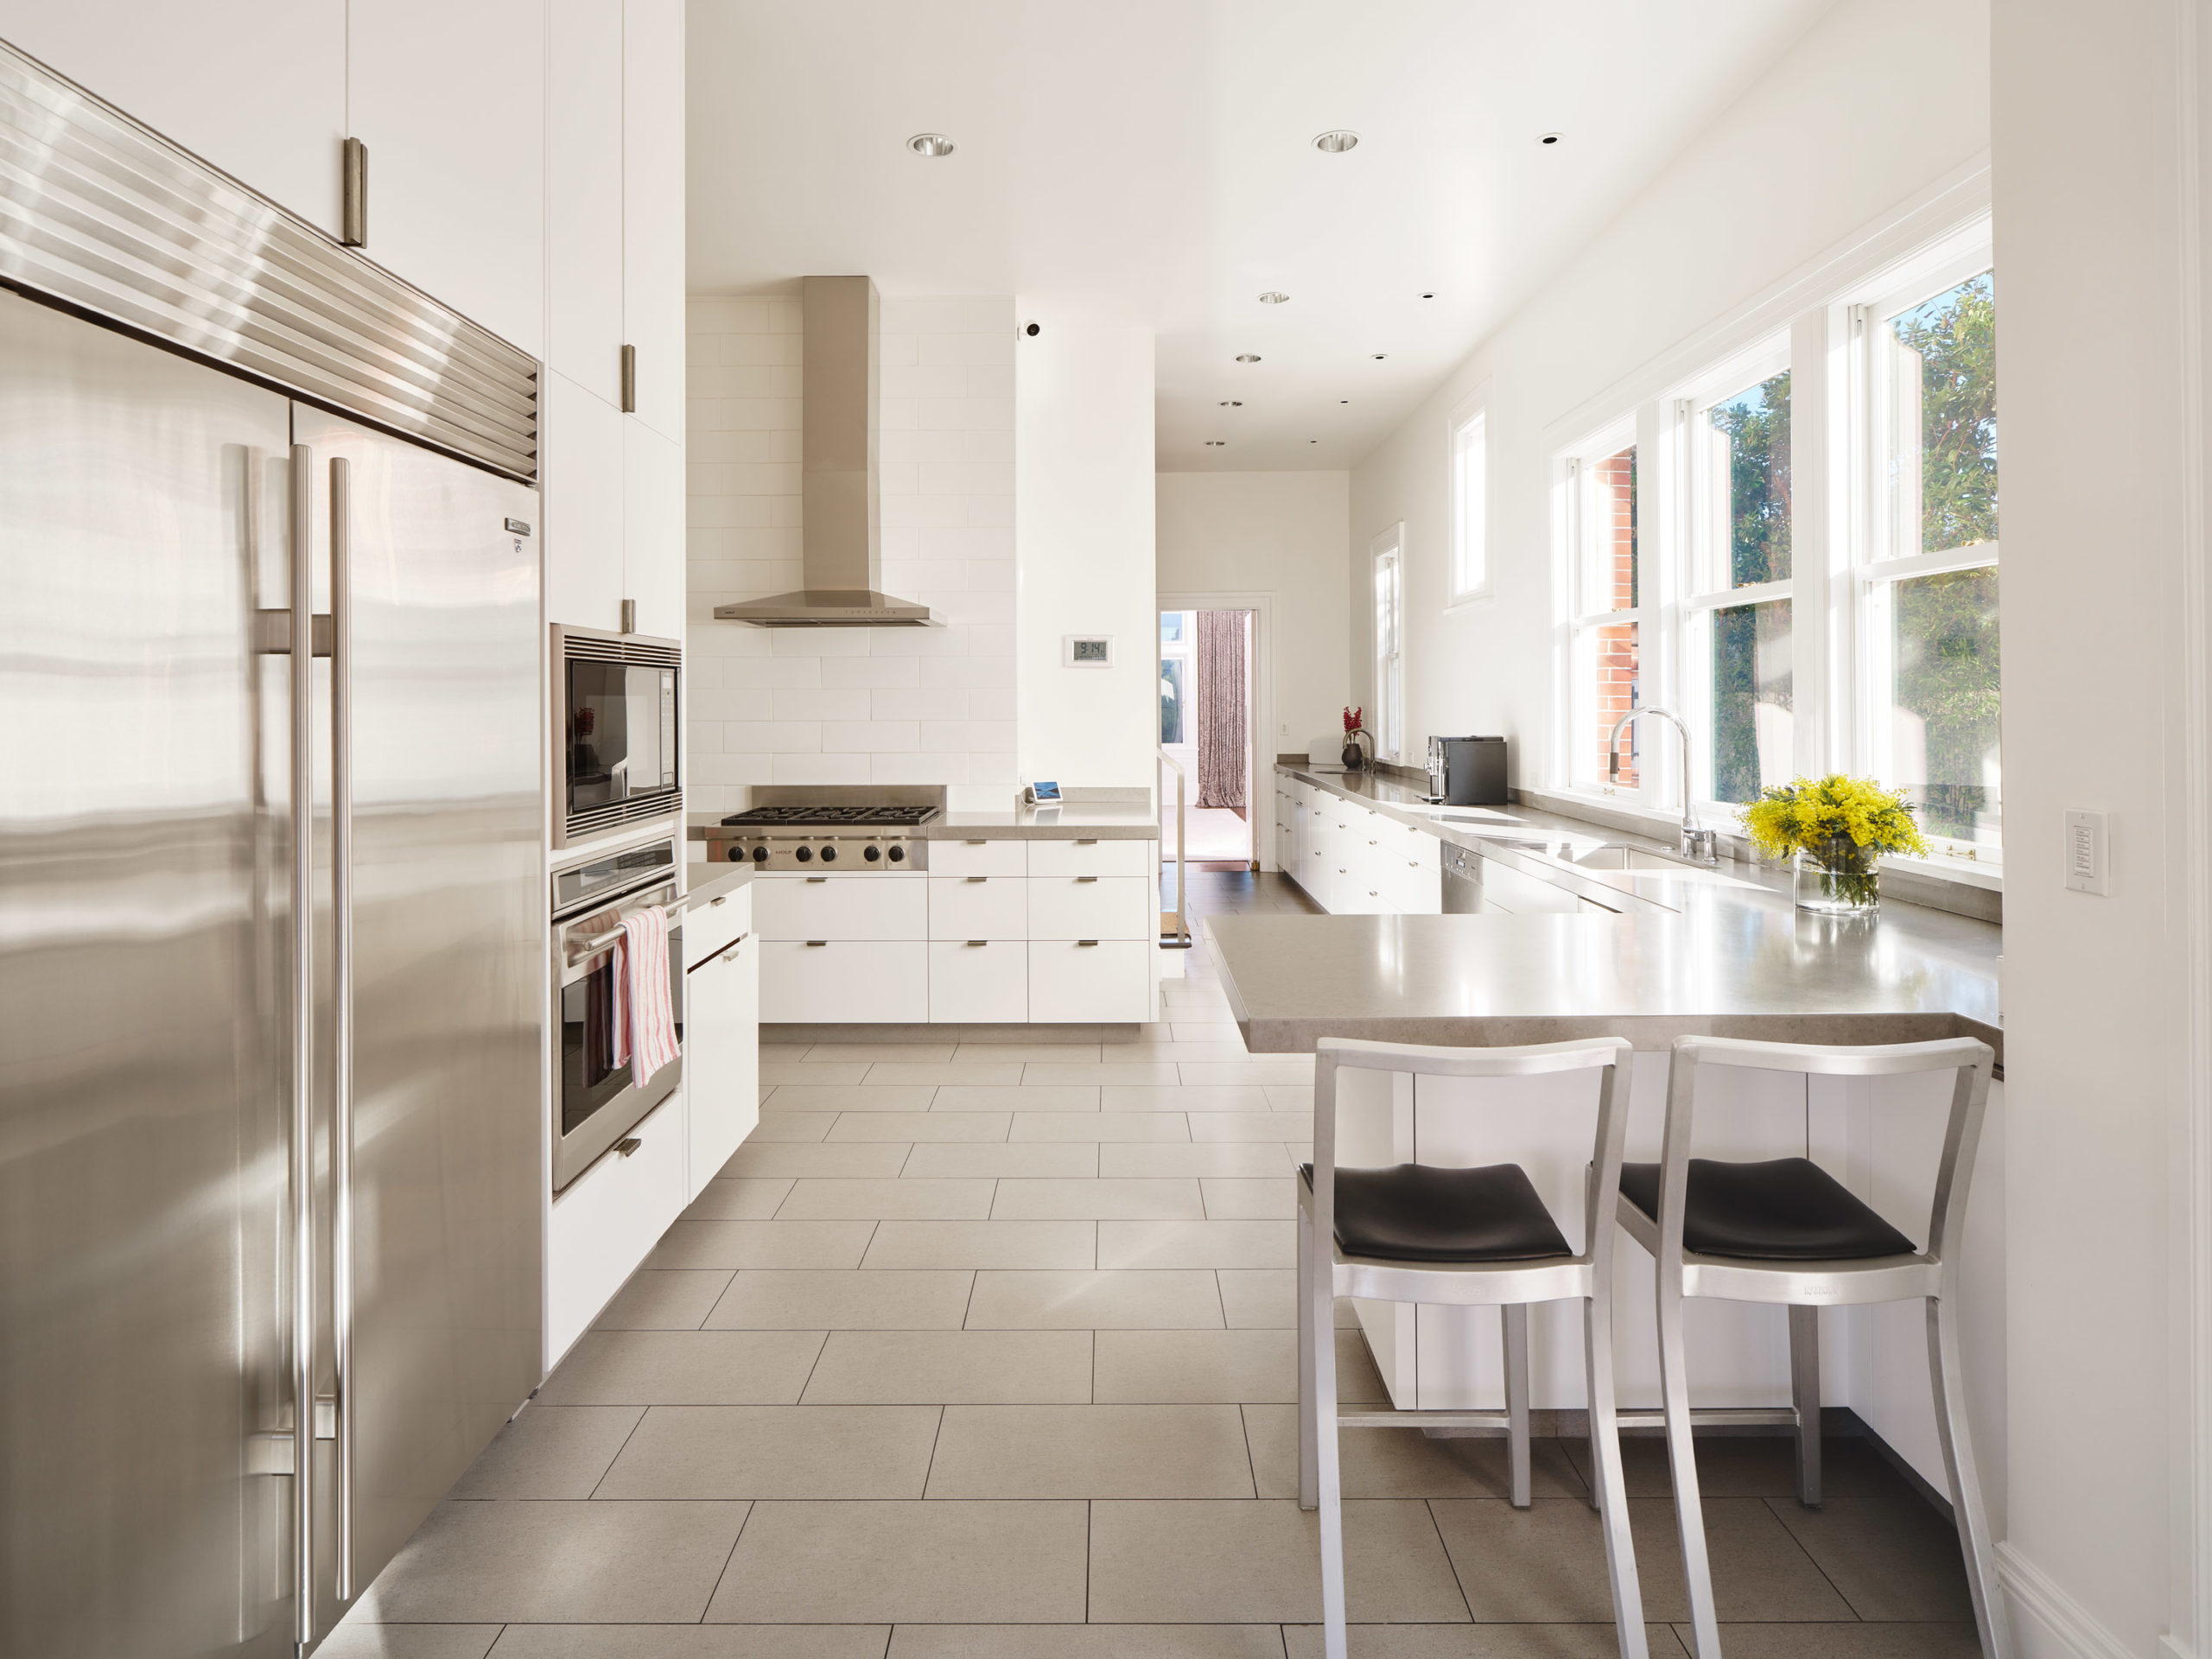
(1222, 735)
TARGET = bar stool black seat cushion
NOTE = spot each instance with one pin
(1784, 1210)
(1416, 1212)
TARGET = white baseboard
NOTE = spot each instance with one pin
(2040, 1597)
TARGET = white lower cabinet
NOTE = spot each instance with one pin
(966, 908)
(1076, 983)
(857, 906)
(721, 1057)
(1091, 908)
(844, 982)
(979, 981)
(605, 1221)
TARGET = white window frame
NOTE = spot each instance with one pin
(1575, 482)
(1467, 432)
(1386, 557)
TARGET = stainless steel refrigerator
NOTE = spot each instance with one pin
(272, 983)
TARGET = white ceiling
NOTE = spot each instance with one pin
(1154, 158)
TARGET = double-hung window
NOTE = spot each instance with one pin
(1388, 717)
(1470, 473)
(1605, 608)
(1926, 574)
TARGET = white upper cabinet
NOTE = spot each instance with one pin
(652, 528)
(256, 87)
(585, 508)
(584, 248)
(450, 100)
(653, 208)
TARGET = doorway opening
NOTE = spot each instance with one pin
(1206, 726)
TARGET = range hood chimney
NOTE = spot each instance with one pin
(841, 545)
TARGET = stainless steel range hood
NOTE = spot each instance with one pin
(842, 549)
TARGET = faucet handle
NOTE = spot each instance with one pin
(1701, 846)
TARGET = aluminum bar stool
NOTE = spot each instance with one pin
(1480, 1237)
(1786, 1231)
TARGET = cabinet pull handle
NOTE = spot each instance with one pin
(1092, 841)
(816, 944)
(736, 945)
(719, 903)
(1085, 944)
(354, 192)
(1086, 877)
(627, 1145)
(977, 944)
(812, 880)
(629, 379)
(979, 877)
(978, 843)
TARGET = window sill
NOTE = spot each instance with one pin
(1460, 602)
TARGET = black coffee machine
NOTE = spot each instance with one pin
(1467, 771)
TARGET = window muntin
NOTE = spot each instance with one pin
(1388, 715)
(1607, 583)
(1471, 506)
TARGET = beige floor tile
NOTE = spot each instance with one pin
(1220, 1043)
(1100, 1126)
(1117, 1451)
(791, 1127)
(972, 1073)
(1042, 1159)
(1197, 1245)
(550, 1451)
(1261, 1200)
(1744, 1641)
(1266, 1299)
(1248, 1160)
(920, 1126)
(783, 1071)
(555, 1563)
(984, 1245)
(853, 1097)
(711, 1452)
(1022, 1053)
(739, 1198)
(896, 1562)
(1251, 1126)
(1174, 1097)
(849, 1162)
(1273, 1069)
(1489, 1642)
(884, 1200)
(357, 1638)
(1104, 1072)
(1086, 1642)
(690, 1642)
(1890, 1554)
(1219, 1028)
(762, 1243)
(1223, 1366)
(953, 1367)
(1032, 1299)
(1758, 1571)
(1747, 1466)
(655, 1300)
(1400, 1462)
(773, 1050)
(1237, 1563)
(869, 1298)
(876, 1053)
(1154, 1200)
(1027, 1098)
(1290, 1096)
(684, 1368)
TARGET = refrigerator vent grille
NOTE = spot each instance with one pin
(576, 644)
(107, 216)
(593, 819)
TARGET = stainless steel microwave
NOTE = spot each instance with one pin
(616, 710)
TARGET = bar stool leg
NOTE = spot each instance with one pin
(1805, 1395)
(1308, 1492)
(1319, 1305)
(1953, 1430)
(1608, 1485)
(1681, 1459)
(1514, 1317)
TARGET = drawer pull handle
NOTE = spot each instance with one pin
(813, 881)
(1093, 842)
(628, 1145)
(816, 944)
(979, 877)
(1086, 877)
(977, 944)
(1085, 944)
(720, 902)
(977, 843)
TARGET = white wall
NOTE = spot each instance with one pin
(1842, 129)
(1084, 535)
(1283, 534)
(854, 705)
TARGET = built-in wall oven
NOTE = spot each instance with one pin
(615, 713)
(597, 1100)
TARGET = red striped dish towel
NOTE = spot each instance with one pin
(643, 1015)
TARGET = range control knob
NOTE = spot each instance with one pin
(760, 855)
(828, 855)
(898, 855)
(736, 854)
(872, 853)
(806, 855)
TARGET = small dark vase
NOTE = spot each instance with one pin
(1354, 756)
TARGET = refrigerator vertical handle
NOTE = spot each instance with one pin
(302, 1079)
(342, 913)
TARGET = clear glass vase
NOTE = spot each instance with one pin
(1838, 877)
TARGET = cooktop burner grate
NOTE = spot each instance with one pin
(764, 818)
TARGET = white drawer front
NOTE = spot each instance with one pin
(1096, 907)
(979, 858)
(606, 1220)
(844, 982)
(715, 925)
(979, 985)
(979, 907)
(1419, 889)
(1092, 857)
(1086, 984)
(841, 907)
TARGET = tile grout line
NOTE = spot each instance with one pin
(936, 1435)
(617, 1458)
(1437, 1527)
(749, 1508)
(813, 1366)
(1768, 1505)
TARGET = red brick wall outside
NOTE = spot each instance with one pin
(1612, 581)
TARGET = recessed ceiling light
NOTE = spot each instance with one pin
(1232, 403)
(1379, 356)
(1344, 400)
(1274, 297)
(1313, 439)
(1336, 142)
(1248, 357)
(932, 144)
(1550, 138)
(1428, 297)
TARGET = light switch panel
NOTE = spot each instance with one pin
(2089, 853)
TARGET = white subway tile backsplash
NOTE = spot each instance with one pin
(843, 703)
(820, 769)
(912, 703)
(870, 736)
(770, 736)
(888, 673)
(918, 768)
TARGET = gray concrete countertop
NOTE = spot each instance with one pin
(704, 880)
(1724, 953)
(1072, 821)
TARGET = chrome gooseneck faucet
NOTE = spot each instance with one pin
(1702, 845)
